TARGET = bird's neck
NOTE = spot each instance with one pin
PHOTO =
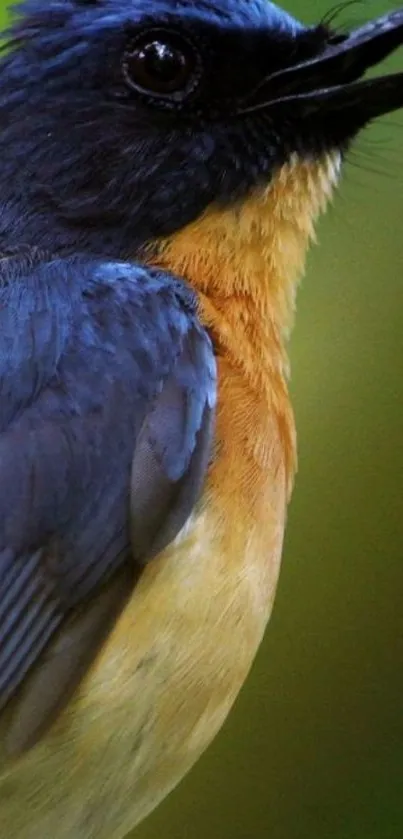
(245, 263)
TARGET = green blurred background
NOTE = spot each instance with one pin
(314, 746)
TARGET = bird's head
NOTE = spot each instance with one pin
(126, 121)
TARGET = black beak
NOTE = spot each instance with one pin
(332, 81)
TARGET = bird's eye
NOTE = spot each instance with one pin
(162, 65)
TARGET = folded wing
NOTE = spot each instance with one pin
(107, 391)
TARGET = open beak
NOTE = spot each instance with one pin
(332, 80)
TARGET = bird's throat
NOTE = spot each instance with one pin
(245, 262)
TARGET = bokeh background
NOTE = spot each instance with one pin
(314, 746)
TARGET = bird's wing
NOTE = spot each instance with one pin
(107, 389)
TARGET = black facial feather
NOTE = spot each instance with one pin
(122, 120)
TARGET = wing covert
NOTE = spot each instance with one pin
(108, 403)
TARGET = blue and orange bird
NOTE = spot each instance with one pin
(163, 163)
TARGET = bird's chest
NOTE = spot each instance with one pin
(181, 651)
(177, 657)
(199, 610)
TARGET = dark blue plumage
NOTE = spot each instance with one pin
(88, 163)
(89, 351)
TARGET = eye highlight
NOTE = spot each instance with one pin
(162, 64)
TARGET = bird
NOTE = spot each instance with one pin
(163, 165)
